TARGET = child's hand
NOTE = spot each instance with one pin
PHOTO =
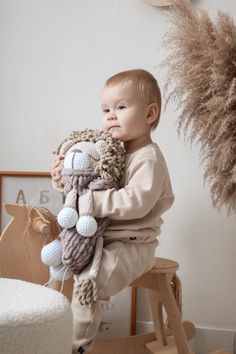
(57, 166)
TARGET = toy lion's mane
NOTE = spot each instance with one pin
(111, 164)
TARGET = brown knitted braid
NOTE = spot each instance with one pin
(77, 179)
(87, 292)
(79, 250)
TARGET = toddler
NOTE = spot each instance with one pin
(131, 105)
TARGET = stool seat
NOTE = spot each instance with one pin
(33, 319)
(164, 265)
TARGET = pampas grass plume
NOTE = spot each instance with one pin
(201, 79)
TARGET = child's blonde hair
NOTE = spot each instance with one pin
(146, 84)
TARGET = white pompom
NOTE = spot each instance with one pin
(67, 217)
(77, 160)
(60, 272)
(86, 226)
(51, 253)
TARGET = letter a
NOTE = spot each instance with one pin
(20, 199)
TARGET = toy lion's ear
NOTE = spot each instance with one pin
(64, 147)
(101, 146)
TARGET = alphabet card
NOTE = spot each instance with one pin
(32, 188)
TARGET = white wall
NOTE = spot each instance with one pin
(55, 56)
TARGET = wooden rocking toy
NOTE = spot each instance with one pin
(21, 243)
(20, 248)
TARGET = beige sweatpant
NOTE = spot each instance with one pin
(121, 263)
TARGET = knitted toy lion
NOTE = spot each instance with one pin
(89, 160)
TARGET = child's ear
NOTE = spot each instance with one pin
(153, 111)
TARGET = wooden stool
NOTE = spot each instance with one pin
(164, 340)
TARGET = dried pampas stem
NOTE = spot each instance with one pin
(201, 78)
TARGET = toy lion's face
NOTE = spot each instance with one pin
(94, 150)
(84, 155)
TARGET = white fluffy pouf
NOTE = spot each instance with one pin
(33, 319)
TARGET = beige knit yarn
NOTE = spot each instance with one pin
(111, 164)
(107, 157)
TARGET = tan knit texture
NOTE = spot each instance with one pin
(108, 162)
(112, 162)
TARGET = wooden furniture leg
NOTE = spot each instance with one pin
(157, 316)
(162, 295)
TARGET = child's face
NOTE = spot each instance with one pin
(124, 112)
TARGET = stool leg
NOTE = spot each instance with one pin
(168, 300)
(157, 316)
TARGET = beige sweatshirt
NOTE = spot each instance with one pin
(135, 209)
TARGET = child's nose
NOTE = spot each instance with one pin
(112, 116)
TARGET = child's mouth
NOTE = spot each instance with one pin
(113, 126)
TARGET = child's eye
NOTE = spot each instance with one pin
(105, 110)
(121, 107)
